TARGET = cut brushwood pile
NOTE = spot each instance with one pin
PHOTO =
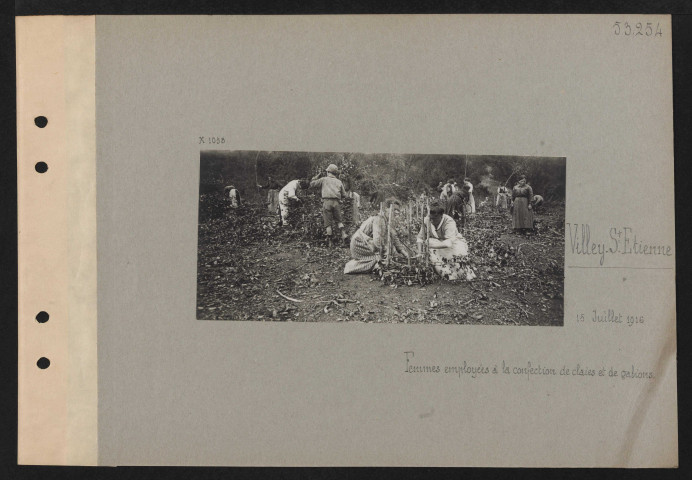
(306, 220)
(249, 268)
(404, 274)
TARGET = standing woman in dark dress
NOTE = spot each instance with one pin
(522, 215)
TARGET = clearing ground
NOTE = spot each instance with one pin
(251, 269)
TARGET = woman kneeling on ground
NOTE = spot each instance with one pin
(446, 246)
(370, 240)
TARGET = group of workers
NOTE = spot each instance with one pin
(457, 200)
(438, 238)
(446, 247)
(332, 192)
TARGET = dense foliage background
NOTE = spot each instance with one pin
(368, 173)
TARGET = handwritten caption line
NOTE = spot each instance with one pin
(527, 370)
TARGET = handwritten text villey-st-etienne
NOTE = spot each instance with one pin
(618, 241)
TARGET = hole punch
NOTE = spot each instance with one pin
(42, 317)
(41, 167)
(43, 363)
(41, 121)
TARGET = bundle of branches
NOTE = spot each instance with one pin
(417, 273)
(347, 213)
(305, 216)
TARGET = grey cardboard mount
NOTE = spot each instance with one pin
(145, 383)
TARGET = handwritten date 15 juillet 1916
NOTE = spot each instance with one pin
(637, 29)
(610, 316)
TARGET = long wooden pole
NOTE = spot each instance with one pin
(463, 217)
(427, 232)
(509, 178)
(409, 218)
(256, 180)
(389, 235)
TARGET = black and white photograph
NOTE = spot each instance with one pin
(265, 240)
(381, 238)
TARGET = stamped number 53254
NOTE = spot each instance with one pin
(637, 29)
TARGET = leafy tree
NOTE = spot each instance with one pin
(368, 173)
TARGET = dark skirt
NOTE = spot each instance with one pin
(522, 217)
(273, 201)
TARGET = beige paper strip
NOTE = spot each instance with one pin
(57, 406)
